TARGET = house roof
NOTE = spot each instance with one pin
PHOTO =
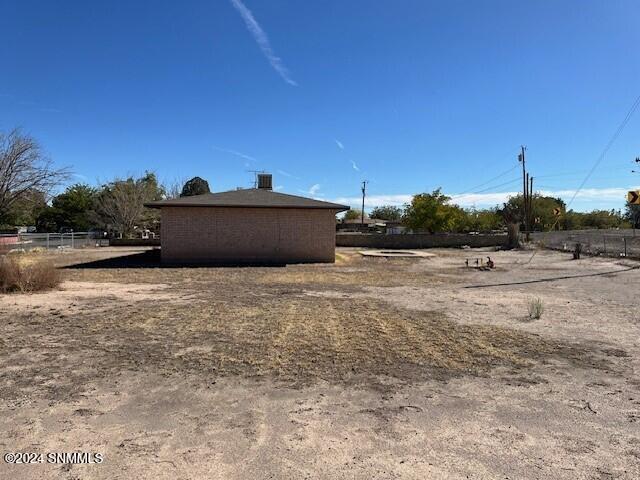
(367, 220)
(250, 197)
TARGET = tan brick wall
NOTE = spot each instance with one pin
(245, 235)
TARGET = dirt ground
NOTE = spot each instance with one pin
(369, 368)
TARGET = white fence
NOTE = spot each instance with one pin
(27, 241)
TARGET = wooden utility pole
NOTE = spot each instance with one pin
(530, 203)
(637, 217)
(527, 211)
(525, 186)
(364, 192)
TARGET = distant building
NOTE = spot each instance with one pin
(247, 226)
(367, 221)
(370, 225)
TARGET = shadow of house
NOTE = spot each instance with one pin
(152, 259)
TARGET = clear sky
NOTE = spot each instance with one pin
(407, 94)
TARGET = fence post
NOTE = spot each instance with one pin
(72, 240)
(47, 240)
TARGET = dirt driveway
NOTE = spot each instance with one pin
(369, 368)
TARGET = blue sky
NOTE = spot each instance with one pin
(409, 95)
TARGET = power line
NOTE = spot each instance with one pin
(470, 190)
(555, 187)
(608, 146)
(598, 161)
(578, 172)
(497, 186)
(563, 186)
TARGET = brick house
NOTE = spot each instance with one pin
(247, 226)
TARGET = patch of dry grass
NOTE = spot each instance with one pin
(259, 322)
(352, 270)
(27, 273)
(308, 338)
(263, 332)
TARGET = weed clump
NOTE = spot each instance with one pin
(21, 274)
(536, 308)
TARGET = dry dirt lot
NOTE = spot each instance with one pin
(369, 368)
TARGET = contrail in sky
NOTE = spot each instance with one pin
(287, 174)
(235, 152)
(260, 36)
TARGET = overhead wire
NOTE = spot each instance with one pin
(614, 137)
(498, 186)
(471, 190)
(608, 146)
(578, 172)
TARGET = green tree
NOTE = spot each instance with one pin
(353, 214)
(603, 219)
(74, 208)
(387, 212)
(595, 219)
(153, 191)
(433, 213)
(572, 220)
(542, 211)
(50, 220)
(25, 209)
(195, 186)
(482, 220)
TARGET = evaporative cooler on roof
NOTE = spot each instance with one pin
(264, 181)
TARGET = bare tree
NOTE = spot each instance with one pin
(173, 189)
(120, 203)
(24, 169)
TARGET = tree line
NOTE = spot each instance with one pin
(116, 206)
(27, 178)
(433, 212)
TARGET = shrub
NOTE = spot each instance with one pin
(21, 274)
(536, 308)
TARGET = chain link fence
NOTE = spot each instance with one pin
(611, 243)
(29, 241)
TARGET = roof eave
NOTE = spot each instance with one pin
(336, 207)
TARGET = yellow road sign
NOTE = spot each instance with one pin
(557, 211)
(633, 197)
